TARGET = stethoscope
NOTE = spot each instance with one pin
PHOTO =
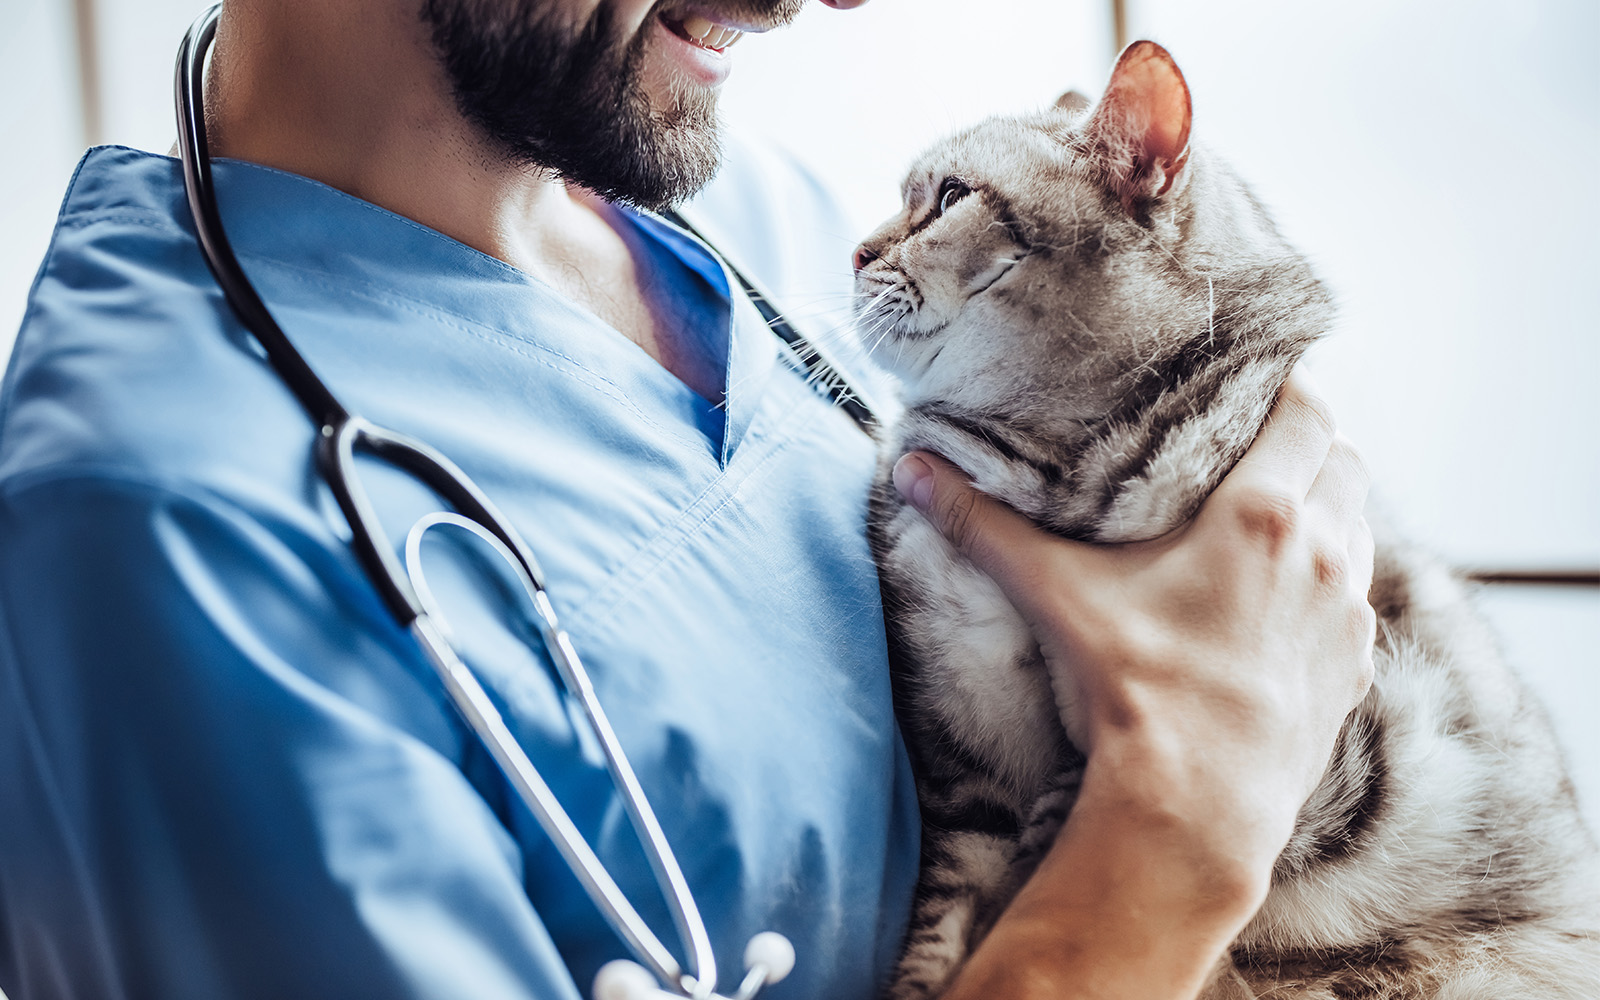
(341, 436)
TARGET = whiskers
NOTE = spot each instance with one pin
(1211, 313)
(879, 315)
(816, 347)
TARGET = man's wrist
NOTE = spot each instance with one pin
(1133, 902)
(1228, 818)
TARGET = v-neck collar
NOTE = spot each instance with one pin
(394, 253)
(751, 347)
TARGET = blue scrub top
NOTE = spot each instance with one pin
(225, 771)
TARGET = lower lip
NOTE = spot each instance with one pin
(703, 65)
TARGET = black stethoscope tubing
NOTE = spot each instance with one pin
(342, 434)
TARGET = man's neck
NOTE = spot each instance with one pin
(350, 94)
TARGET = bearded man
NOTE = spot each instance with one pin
(228, 773)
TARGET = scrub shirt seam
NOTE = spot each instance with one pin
(486, 331)
(446, 317)
(490, 335)
(131, 217)
(595, 611)
(416, 306)
(12, 365)
(367, 206)
(672, 537)
(667, 539)
(379, 210)
(330, 280)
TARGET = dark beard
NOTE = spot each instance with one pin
(569, 99)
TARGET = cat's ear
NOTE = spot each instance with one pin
(1141, 125)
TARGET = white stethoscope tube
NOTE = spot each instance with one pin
(769, 956)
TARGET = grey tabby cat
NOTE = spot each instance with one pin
(1093, 319)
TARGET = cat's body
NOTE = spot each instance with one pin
(1093, 322)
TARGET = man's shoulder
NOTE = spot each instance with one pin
(125, 360)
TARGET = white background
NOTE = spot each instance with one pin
(1435, 158)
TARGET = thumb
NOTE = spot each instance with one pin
(1010, 549)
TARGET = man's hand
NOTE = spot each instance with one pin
(1206, 673)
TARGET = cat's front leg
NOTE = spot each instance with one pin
(967, 878)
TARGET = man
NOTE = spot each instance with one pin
(228, 773)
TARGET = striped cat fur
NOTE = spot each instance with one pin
(1092, 318)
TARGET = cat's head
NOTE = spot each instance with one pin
(1042, 262)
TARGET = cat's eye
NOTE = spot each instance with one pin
(950, 192)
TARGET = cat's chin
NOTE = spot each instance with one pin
(910, 360)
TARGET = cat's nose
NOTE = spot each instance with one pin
(863, 257)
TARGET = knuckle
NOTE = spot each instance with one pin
(1330, 568)
(1126, 653)
(1364, 536)
(1366, 630)
(1316, 411)
(1272, 518)
(1353, 465)
(1366, 623)
(960, 520)
(1364, 571)
(1366, 675)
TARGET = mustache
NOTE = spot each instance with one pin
(766, 14)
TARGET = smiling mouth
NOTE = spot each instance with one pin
(702, 32)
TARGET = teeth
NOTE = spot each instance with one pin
(709, 34)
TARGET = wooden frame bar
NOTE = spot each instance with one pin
(86, 25)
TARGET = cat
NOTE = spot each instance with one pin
(1093, 317)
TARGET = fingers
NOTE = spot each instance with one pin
(1361, 557)
(1290, 451)
(1342, 557)
(1004, 544)
(1363, 554)
(1333, 513)
(1334, 509)
(1342, 483)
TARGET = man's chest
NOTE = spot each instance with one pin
(652, 298)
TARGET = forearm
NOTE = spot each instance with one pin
(1137, 900)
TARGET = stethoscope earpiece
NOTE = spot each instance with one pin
(772, 952)
(625, 980)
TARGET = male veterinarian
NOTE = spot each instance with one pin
(225, 771)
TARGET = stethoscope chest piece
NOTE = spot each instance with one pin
(768, 959)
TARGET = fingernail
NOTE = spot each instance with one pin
(914, 479)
